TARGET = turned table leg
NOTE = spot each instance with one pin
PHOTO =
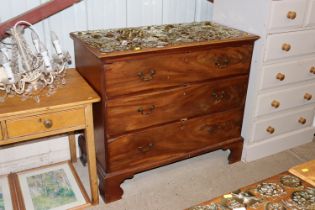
(91, 157)
(72, 146)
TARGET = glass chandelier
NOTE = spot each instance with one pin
(27, 68)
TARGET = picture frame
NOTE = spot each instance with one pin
(54, 187)
(7, 197)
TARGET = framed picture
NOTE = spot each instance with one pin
(55, 187)
(6, 196)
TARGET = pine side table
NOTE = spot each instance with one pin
(68, 110)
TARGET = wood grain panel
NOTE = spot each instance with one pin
(36, 124)
(163, 71)
(140, 111)
(161, 143)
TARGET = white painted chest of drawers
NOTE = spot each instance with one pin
(280, 102)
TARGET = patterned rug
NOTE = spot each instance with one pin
(281, 192)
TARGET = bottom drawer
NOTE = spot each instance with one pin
(159, 144)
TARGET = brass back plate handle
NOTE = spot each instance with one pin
(221, 62)
(146, 76)
(146, 148)
(147, 111)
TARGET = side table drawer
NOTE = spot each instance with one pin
(289, 72)
(45, 122)
(285, 99)
(281, 124)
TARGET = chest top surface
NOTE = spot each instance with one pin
(111, 42)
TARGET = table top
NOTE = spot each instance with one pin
(283, 191)
(305, 171)
(76, 91)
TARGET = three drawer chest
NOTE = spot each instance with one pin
(168, 92)
(279, 112)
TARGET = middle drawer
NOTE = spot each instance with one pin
(285, 99)
(136, 112)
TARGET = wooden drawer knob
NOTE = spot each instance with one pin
(302, 120)
(275, 104)
(312, 70)
(308, 96)
(280, 76)
(291, 15)
(286, 47)
(48, 123)
(270, 130)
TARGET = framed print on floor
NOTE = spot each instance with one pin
(6, 196)
(55, 187)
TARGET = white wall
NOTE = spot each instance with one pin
(86, 15)
(99, 14)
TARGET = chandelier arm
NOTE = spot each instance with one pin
(21, 87)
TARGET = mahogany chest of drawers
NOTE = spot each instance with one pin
(168, 93)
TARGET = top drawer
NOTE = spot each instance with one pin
(161, 71)
(287, 14)
(291, 44)
(285, 99)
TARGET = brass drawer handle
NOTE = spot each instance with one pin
(275, 104)
(146, 111)
(280, 76)
(270, 130)
(286, 47)
(308, 96)
(221, 62)
(302, 120)
(146, 148)
(312, 70)
(148, 76)
(48, 123)
(218, 96)
(291, 15)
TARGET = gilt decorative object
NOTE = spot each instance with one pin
(27, 68)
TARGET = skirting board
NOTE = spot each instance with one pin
(34, 154)
(277, 144)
